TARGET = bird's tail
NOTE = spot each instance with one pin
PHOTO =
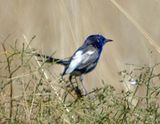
(50, 59)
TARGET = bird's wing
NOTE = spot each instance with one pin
(89, 58)
(82, 59)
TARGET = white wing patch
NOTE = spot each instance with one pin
(77, 59)
(87, 56)
(90, 52)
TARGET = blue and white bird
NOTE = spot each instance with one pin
(84, 59)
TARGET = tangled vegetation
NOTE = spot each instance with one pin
(29, 93)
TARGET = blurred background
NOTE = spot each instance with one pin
(62, 25)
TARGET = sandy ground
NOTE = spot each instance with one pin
(62, 26)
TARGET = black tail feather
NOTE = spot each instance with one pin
(50, 59)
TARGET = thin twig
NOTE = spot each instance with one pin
(47, 78)
(10, 82)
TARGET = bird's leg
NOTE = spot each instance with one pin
(78, 92)
(82, 83)
(61, 79)
(70, 80)
(76, 81)
(76, 89)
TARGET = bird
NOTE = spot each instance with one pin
(84, 59)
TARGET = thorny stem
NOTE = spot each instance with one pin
(10, 82)
(148, 86)
(46, 77)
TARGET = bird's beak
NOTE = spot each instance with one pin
(109, 40)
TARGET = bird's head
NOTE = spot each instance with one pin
(97, 40)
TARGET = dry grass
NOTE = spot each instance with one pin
(29, 95)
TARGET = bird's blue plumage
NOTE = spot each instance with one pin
(85, 57)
